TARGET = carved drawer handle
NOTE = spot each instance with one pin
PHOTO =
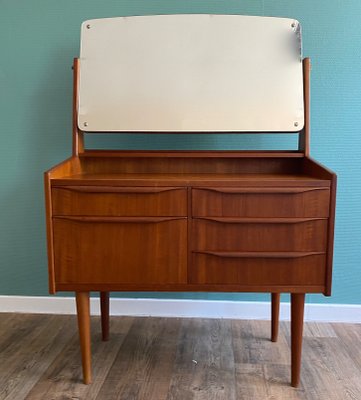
(134, 220)
(235, 254)
(250, 220)
(264, 190)
(117, 189)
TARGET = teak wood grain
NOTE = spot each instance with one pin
(133, 251)
(131, 201)
(257, 269)
(251, 202)
(259, 234)
(236, 221)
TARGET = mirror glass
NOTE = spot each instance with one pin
(191, 73)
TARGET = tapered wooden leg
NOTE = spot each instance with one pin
(104, 311)
(83, 311)
(275, 317)
(297, 311)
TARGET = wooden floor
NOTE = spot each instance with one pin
(175, 359)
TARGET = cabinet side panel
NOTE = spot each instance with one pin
(49, 232)
(330, 239)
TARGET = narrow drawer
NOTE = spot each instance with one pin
(119, 201)
(257, 234)
(122, 250)
(261, 202)
(257, 269)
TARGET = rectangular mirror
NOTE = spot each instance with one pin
(191, 73)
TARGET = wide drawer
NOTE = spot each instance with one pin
(261, 202)
(256, 269)
(113, 250)
(119, 201)
(259, 234)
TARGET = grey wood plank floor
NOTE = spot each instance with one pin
(175, 359)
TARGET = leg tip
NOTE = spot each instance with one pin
(295, 382)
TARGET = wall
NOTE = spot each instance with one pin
(38, 40)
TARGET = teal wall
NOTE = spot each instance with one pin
(38, 40)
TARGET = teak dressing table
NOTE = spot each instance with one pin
(228, 221)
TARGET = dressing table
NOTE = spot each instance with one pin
(210, 221)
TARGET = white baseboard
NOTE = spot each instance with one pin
(181, 308)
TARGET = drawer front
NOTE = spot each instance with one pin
(245, 269)
(119, 201)
(257, 234)
(119, 250)
(261, 202)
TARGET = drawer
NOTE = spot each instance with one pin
(259, 234)
(122, 250)
(261, 202)
(119, 201)
(257, 269)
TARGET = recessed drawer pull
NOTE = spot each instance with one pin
(271, 190)
(235, 254)
(247, 220)
(116, 189)
(134, 220)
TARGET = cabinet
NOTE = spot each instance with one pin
(179, 229)
(226, 221)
